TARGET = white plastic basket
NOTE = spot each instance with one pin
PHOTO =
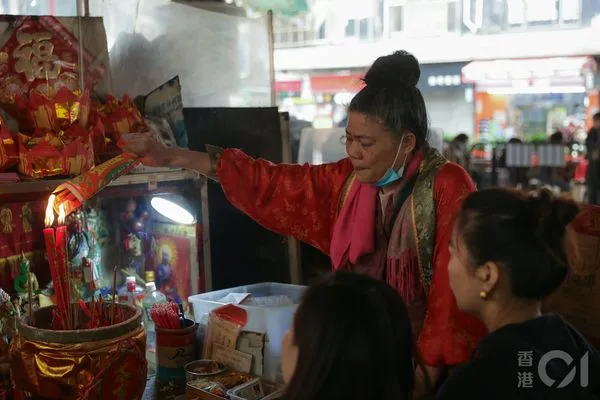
(272, 319)
(256, 389)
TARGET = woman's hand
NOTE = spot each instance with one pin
(152, 152)
(155, 154)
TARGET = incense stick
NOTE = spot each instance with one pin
(70, 289)
(30, 299)
(114, 294)
(93, 318)
(75, 306)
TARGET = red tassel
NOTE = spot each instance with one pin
(401, 275)
(391, 273)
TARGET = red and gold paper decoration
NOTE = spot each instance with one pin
(42, 55)
(9, 153)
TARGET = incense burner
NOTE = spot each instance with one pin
(105, 363)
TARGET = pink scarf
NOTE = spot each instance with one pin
(354, 230)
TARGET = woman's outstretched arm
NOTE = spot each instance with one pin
(293, 200)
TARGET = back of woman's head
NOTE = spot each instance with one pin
(391, 96)
(354, 341)
(522, 233)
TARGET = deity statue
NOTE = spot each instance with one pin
(100, 237)
(27, 216)
(6, 220)
(138, 241)
(22, 281)
(79, 242)
(164, 273)
(8, 315)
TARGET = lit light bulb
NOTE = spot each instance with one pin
(172, 211)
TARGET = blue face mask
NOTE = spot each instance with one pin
(392, 175)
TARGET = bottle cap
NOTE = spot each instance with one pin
(149, 276)
(151, 286)
(130, 281)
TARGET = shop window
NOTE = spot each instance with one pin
(351, 28)
(359, 28)
(570, 10)
(427, 18)
(396, 15)
(296, 31)
(516, 12)
(453, 16)
(322, 31)
(541, 12)
(494, 13)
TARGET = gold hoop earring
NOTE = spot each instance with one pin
(483, 294)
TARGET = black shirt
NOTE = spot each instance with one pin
(527, 361)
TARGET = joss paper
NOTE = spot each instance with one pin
(75, 192)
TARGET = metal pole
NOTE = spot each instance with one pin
(271, 33)
(80, 13)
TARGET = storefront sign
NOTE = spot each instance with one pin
(441, 76)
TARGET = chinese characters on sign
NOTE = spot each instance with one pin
(35, 56)
(42, 54)
(528, 370)
(525, 377)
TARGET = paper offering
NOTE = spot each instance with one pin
(231, 358)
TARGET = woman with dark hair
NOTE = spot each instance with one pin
(384, 211)
(508, 252)
(351, 339)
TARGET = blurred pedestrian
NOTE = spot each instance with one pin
(592, 143)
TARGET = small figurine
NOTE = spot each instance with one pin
(130, 208)
(100, 238)
(164, 274)
(8, 329)
(21, 280)
(8, 315)
(27, 216)
(79, 242)
(6, 220)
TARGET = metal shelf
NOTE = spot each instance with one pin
(147, 177)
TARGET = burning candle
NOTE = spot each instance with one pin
(61, 257)
(56, 248)
(50, 241)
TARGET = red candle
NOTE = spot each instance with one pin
(51, 252)
(56, 248)
(50, 241)
(62, 260)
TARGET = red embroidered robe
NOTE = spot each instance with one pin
(303, 201)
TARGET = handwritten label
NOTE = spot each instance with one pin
(174, 357)
(232, 359)
(220, 332)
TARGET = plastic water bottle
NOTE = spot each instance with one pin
(131, 286)
(151, 297)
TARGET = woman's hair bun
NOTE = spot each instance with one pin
(399, 70)
(552, 214)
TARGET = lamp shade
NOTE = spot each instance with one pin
(172, 210)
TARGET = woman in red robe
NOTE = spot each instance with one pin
(386, 210)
